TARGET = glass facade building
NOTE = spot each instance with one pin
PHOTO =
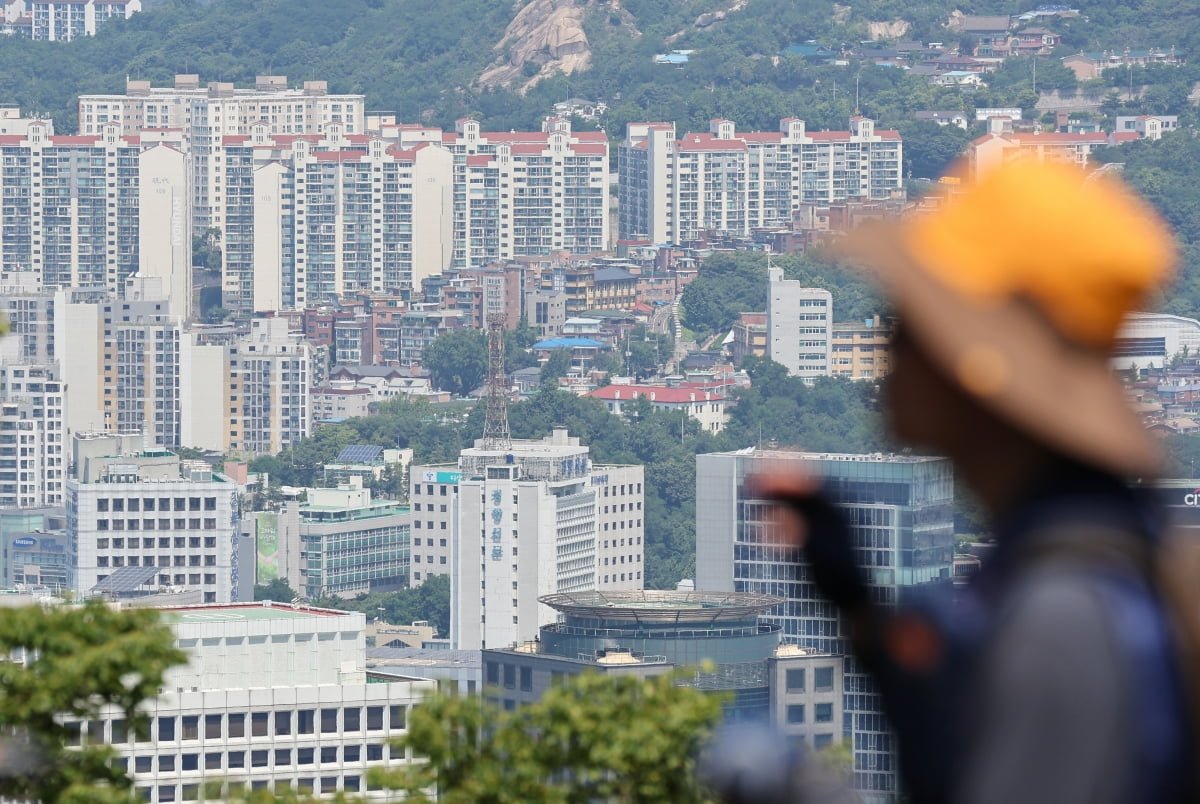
(900, 510)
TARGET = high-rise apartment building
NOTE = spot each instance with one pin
(207, 113)
(269, 396)
(64, 20)
(527, 193)
(729, 182)
(33, 454)
(149, 509)
(306, 219)
(799, 326)
(543, 519)
(92, 210)
(900, 511)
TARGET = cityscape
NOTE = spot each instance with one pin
(382, 434)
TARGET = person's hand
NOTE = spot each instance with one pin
(809, 519)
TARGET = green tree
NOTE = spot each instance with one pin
(558, 364)
(277, 589)
(929, 149)
(77, 660)
(591, 738)
(457, 361)
(430, 601)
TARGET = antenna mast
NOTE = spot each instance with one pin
(495, 426)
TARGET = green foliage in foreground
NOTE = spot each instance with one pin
(430, 601)
(77, 660)
(591, 738)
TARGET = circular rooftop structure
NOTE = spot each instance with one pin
(660, 607)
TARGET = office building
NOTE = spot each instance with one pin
(862, 350)
(799, 326)
(306, 219)
(649, 633)
(351, 543)
(274, 697)
(35, 550)
(150, 510)
(205, 114)
(900, 510)
(94, 209)
(269, 388)
(728, 182)
(544, 520)
(65, 20)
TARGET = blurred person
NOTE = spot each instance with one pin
(1063, 675)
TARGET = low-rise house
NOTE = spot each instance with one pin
(706, 407)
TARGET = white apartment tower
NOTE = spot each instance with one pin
(64, 20)
(528, 193)
(205, 114)
(308, 218)
(734, 182)
(269, 396)
(33, 465)
(513, 524)
(94, 209)
(799, 326)
(149, 509)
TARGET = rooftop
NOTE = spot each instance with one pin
(661, 607)
(241, 612)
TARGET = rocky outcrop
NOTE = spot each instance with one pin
(545, 37)
(887, 31)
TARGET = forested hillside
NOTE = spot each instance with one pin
(423, 59)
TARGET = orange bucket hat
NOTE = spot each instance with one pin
(1016, 289)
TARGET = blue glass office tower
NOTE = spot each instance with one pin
(901, 515)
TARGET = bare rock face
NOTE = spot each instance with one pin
(886, 31)
(841, 13)
(545, 37)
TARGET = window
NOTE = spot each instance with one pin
(795, 713)
(374, 753)
(527, 679)
(191, 727)
(143, 764)
(189, 762)
(259, 724)
(328, 721)
(399, 717)
(166, 763)
(823, 679)
(352, 719)
(510, 676)
(795, 680)
(304, 756)
(120, 731)
(259, 759)
(824, 713)
(351, 784)
(493, 673)
(166, 792)
(237, 759)
(351, 753)
(822, 741)
(237, 724)
(374, 718)
(329, 784)
(166, 729)
(212, 760)
(304, 721)
(283, 756)
(328, 754)
(283, 723)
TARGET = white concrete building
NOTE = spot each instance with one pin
(269, 400)
(544, 518)
(149, 509)
(92, 210)
(799, 326)
(13, 122)
(205, 114)
(528, 193)
(64, 20)
(1152, 340)
(33, 459)
(706, 406)
(274, 697)
(308, 218)
(730, 182)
